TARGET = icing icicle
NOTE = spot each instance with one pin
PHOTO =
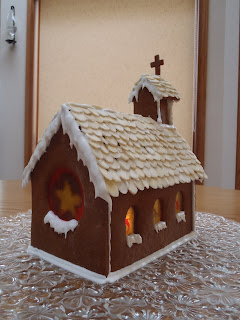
(160, 226)
(60, 226)
(181, 216)
(159, 119)
(144, 83)
(77, 140)
(84, 152)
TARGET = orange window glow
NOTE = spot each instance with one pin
(157, 211)
(179, 202)
(129, 221)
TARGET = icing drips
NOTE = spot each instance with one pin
(60, 226)
(160, 226)
(84, 152)
(181, 216)
(133, 238)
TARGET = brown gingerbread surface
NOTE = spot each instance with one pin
(88, 245)
(143, 203)
(147, 107)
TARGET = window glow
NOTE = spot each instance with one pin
(157, 211)
(179, 202)
(129, 221)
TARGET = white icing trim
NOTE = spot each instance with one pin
(113, 276)
(160, 226)
(41, 148)
(168, 125)
(84, 152)
(170, 112)
(71, 267)
(181, 216)
(60, 226)
(144, 83)
(133, 238)
(159, 118)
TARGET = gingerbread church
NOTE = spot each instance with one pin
(112, 191)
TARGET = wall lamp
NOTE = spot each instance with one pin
(11, 26)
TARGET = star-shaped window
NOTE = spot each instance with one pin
(65, 195)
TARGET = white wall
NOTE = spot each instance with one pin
(222, 93)
(12, 92)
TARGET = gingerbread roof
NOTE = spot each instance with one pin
(123, 152)
(156, 85)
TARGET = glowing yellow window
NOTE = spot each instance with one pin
(179, 202)
(158, 222)
(129, 221)
(157, 211)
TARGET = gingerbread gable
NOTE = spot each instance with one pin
(123, 152)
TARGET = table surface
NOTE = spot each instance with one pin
(202, 277)
(223, 202)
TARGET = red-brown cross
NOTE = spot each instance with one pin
(156, 64)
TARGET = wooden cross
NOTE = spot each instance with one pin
(156, 64)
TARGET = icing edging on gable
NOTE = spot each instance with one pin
(41, 148)
(84, 152)
(144, 83)
(151, 82)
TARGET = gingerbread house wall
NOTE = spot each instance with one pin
(88, 245)
(146, 106)
(143, 202)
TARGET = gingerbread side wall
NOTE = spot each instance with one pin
(88, 245)
(147, 107)
(143, 203)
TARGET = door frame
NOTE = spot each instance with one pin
(200, 125)
(31, 78)
(237, 175)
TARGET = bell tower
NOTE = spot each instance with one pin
(153, 97)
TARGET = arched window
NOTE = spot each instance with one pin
(179, 204)
(65, 194)
(129, 221)
(157, 216)
(157, 211)
(131, 237)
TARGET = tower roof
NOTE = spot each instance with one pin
(157, 86)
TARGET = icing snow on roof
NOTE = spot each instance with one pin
(123, 152)
(156, 85)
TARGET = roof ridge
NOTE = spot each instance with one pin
(127, 114)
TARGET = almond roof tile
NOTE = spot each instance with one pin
(130, 159)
